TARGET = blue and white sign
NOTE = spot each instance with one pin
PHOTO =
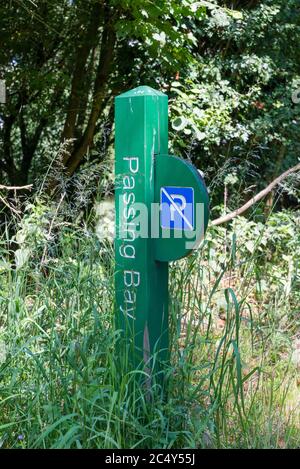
(177, 208)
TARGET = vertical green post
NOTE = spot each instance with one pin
(141, 117)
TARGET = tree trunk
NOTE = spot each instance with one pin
(102, 75)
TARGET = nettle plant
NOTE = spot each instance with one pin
(33, 233)
(271, 251)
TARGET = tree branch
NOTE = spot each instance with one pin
(30, 142)
(79, 73)
(102, 73)
(256, 198)
(8, 165)
(16, 188)
(23, 132)
(17, 212)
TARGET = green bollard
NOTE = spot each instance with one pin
(157, 198)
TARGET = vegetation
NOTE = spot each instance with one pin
(231, 70)
(235, 348)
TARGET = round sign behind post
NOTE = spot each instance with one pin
(183, 204)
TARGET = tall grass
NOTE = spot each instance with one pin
(231, 381)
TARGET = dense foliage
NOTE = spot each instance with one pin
(234, 108)
(64, 62)
(231, 69)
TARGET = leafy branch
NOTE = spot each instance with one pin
(230, 216)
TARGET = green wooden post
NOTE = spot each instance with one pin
(162, 211)
(141, 118)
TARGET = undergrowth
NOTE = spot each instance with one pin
(234, 317)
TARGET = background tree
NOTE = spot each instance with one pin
(230, 69)
(64, 61)
(233, 112)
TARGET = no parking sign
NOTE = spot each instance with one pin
(177, 208)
